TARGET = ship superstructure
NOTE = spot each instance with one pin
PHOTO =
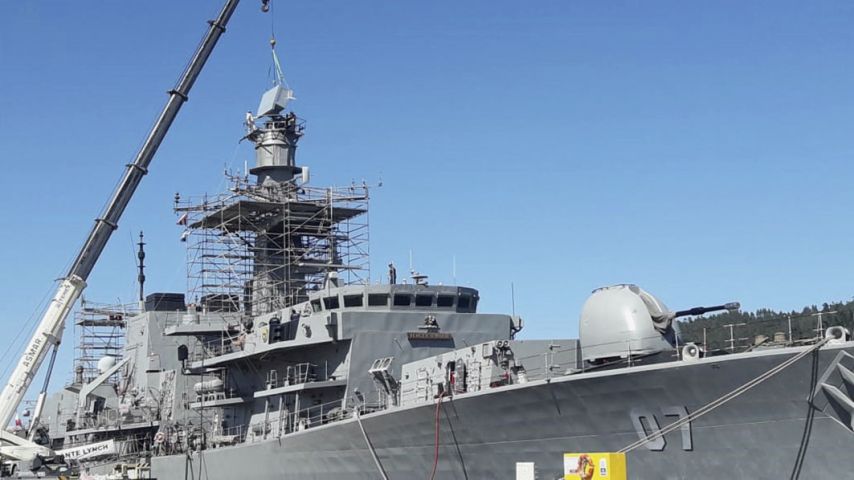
(281, 330)
(283, 268)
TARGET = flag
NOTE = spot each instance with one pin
(182, 220)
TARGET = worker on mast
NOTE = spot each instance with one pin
(250, 123)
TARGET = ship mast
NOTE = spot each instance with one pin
(49, 330)
(140, 255)
(276, 238)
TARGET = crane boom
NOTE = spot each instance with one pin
(49, 330)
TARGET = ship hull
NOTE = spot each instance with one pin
(783, 428)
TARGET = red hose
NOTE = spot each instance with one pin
(436, 441)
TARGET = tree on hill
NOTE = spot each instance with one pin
(766, 322)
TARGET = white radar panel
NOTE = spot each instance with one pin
(275, 100)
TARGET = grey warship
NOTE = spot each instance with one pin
(287, 363)
(285, 360)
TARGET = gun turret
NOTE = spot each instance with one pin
(625, 318)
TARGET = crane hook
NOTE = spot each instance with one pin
(265, 6)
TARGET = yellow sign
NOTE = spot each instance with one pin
(594, 466)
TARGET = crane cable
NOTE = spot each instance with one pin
(725, 398)
(267, 7)
(277, 66)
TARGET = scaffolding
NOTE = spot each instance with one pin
(101, 332)
(261, 248)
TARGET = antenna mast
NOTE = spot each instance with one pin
(141, 277)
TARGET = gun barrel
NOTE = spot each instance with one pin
(701, 310)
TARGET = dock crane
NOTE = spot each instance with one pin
(48, 334)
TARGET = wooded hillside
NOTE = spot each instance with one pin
(764, 322)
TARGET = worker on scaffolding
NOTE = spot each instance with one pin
(392, 273)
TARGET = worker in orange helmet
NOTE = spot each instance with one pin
(585, 467)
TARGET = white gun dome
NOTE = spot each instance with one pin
(106, 363)
(623, 320)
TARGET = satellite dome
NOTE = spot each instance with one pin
(106, 363)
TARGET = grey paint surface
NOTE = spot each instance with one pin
(763, 434)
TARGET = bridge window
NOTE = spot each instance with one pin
(465, 302)
(445, 301)
(315, 305)
(401, 300)
(377, 299)
(424, 300)
(331, 302)
(352, 300)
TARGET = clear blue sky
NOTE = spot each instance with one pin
(700, 149)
